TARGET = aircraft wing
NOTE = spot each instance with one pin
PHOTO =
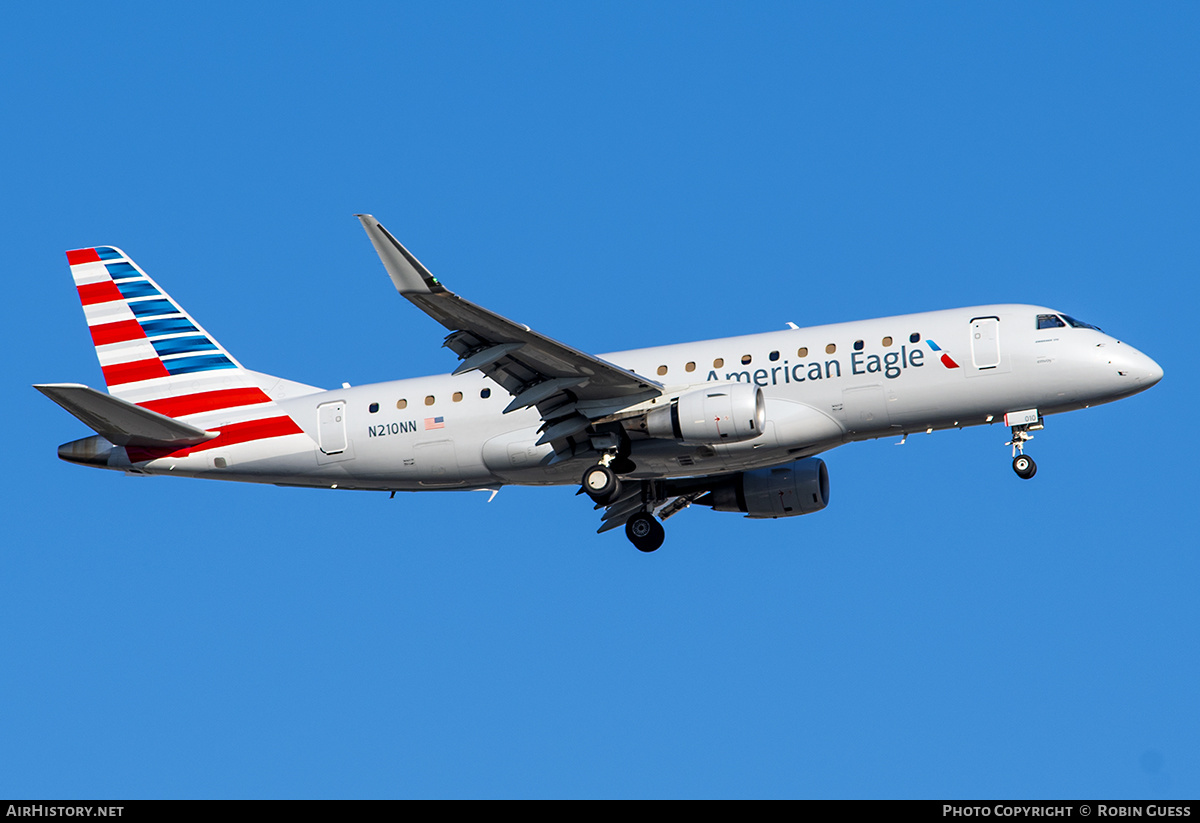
(569, 388)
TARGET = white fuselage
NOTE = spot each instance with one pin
(823, 386)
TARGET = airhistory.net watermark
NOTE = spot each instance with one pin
(43, 810)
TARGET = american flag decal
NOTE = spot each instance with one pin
(434, 423)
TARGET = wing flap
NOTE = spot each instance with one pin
(486, 357)
(477, 330)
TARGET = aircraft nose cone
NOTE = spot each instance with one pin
(1144, 371)
(1136, 368)
(1152, 372)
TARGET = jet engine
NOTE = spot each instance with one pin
(801, 487)
(721, 414)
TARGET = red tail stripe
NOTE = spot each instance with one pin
(231, 434)
(77, 256)
(251, 430)
(119, 373)
(105, 291)
(143, 454)
(118, 332)
(205, 401)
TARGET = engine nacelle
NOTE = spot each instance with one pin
(721, 414)
(796, 488)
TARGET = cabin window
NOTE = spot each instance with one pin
(719, 362)
(457, 397)
(831, 348)
(485, 393)
(746, 359)
(662, 370)
(802, 351)
(887, 341)
(1050, 321)
(374, 407)
(429, 400)
(858, 345)
(402, 404)
(691, 366)
(915, 337)
(773, 356)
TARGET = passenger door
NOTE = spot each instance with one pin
(331, 427)
(985, 342)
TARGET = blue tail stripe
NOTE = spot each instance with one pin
(108, 253)
(137, 288)
(167, 325)
(120, 270)
(149, 308)
(183, 345)
(203, 362)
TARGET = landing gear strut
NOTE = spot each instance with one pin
(1022, 463)
(601, 483)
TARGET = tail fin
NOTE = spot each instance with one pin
(153, 354)
(147, 344)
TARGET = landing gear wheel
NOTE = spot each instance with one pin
(645, 532)
(1024, 466)
(601, 484)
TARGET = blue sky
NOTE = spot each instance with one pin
(615, 176)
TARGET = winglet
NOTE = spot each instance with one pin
(406, 271)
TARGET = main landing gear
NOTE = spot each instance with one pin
(600, 482)
(645, 532)
(1022, 463)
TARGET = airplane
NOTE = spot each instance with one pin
(734, 424)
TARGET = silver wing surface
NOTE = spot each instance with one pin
(571, 389)
(121, 422)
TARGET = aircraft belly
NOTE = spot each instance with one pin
(864, 410)
(437, 463)
(515, 457)
(254, 461)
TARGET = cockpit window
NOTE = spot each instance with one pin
(1079, 324)
(1049, 321)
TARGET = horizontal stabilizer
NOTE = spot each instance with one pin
(121, 422)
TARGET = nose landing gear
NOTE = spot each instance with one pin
(1022, 463)
(1024, 466)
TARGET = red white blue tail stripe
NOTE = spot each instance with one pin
(154, 354)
